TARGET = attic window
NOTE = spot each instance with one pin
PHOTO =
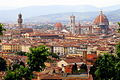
(62, 65)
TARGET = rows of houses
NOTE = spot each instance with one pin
(60, 46)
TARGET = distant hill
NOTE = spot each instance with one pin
(80, 16)
(57, 13)
(63, 17)
(114, 15)
(32, 11)
(111, 8)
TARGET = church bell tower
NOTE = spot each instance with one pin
(72, 24)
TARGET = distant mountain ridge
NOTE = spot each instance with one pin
(56, 12)
(62, 17)
(113, 16)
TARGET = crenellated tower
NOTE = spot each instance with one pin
(20, 20)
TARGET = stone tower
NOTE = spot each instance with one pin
(72, 24)
(20, 20)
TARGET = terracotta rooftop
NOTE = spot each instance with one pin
(101, 19)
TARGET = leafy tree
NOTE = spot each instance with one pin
(117, 70)
(83, 66)
(37, 57)
(104, 67)
(51, 57)
(118, 50)
(10, 76)
(92, 71)
(16, 65)
(21, 53)
(1, 29)
(3, 65)
(74, 68)
(119, 27)
(107, 67)
(22, 63)
(117, 66)
(21, 73)
(54, 55)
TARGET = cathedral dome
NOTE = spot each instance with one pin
(101, 19)
(58, 25)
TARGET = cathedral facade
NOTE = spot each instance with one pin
(100, 26)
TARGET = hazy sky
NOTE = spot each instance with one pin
(8, 4)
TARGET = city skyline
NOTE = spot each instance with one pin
(8, 4)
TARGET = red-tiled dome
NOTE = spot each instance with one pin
(58, 25)
(101, 20)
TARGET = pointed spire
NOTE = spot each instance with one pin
(101, 12)
(72, 14)
(20, 15)
(79, 23)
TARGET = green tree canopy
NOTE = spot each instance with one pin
(107, 66)
(74, 68)
(117, 70)
(104, 67)
(3, 65)
(16, 65)
(37, 57)
(1, 29)
(21, 73)
(83, 66)
(119, 27)
(118, 50)
(21, 53)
